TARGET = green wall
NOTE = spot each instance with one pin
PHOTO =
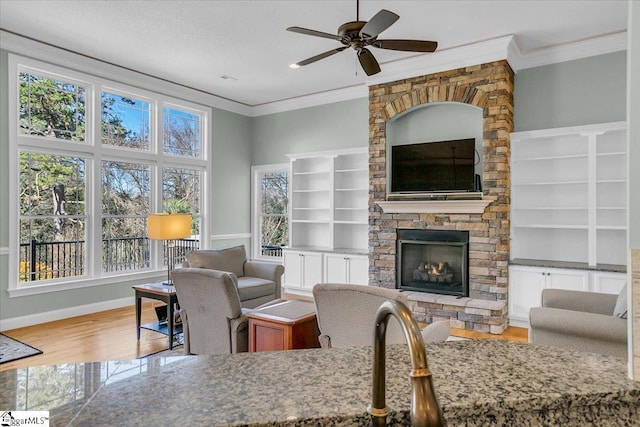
(585, 91)
(231, 193)
(326, 127)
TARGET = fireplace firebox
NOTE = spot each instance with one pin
(435, 261)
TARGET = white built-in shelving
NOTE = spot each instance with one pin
(568, 194)
(328, 218)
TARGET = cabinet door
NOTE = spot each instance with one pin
(525, 291)
(575, 280)
(358, 270)
(292, 269)
(608, 283)
(311, 269)
(335, 268)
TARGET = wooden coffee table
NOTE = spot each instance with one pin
(287, 325)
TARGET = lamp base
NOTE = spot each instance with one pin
(167, 283)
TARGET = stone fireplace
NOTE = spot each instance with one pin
(489, 87)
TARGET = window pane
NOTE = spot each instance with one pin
(274, 193)
(51, 185)
(125, 188)
(46, 254)
(125, 205)
(181, 190)
(52, 221)
(181, 133)
(275, 231)
(51, 108)
(124, 244)
(125, 122)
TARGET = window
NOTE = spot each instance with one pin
(270, 210)
(93, 158)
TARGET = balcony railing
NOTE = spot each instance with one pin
(52, 260)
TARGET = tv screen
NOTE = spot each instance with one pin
(444, 166)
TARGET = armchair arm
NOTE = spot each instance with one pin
(239, 331)
(265, 270)
(590, 302)
(587, 326)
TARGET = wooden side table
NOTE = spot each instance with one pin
(287, 325)
(160, 292)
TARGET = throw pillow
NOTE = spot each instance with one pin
(621, 304)
(228, 259)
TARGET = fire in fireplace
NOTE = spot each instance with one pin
(433, 261)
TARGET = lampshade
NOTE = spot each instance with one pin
(163, 226)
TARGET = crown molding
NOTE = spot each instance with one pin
(23, 46)
(321, 98)
(520, 60)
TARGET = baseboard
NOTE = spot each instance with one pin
(64, 313)
(518, 323)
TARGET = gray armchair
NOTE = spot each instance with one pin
(577, 320)
(213, 321)
(257, 282)
(346, 316)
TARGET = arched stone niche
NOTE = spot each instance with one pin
(432, 122)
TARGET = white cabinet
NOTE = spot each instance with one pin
(329, 200)
(568, 194)
(526, 284)
(302, 270)
(346, 268)
(608, 283)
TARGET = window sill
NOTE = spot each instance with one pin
(88, 282)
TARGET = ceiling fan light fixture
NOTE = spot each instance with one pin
(360, 34)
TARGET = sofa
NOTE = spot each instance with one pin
(257, 282)
(584, 321)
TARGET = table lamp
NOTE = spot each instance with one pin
(169, 227)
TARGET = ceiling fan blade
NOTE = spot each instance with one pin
(368, 62)
(380, 22)
(406, 45)
(314, 33)
(320, 56)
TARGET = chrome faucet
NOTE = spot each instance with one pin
(425, 410)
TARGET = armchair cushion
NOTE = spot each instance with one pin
(255, 287)
(229, 259)
(578, 320)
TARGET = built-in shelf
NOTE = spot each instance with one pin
(435, 206)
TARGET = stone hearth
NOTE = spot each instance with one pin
(487, 86)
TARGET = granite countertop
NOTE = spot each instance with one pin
(612, 268)
(478, 383)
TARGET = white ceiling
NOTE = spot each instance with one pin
(194, 43)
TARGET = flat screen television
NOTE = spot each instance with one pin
(443, 166)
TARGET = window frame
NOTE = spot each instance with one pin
(95, 152)
(256, 214)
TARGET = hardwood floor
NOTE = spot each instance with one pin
(107, 335)
(111, 335)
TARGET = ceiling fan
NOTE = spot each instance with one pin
(360, 34)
